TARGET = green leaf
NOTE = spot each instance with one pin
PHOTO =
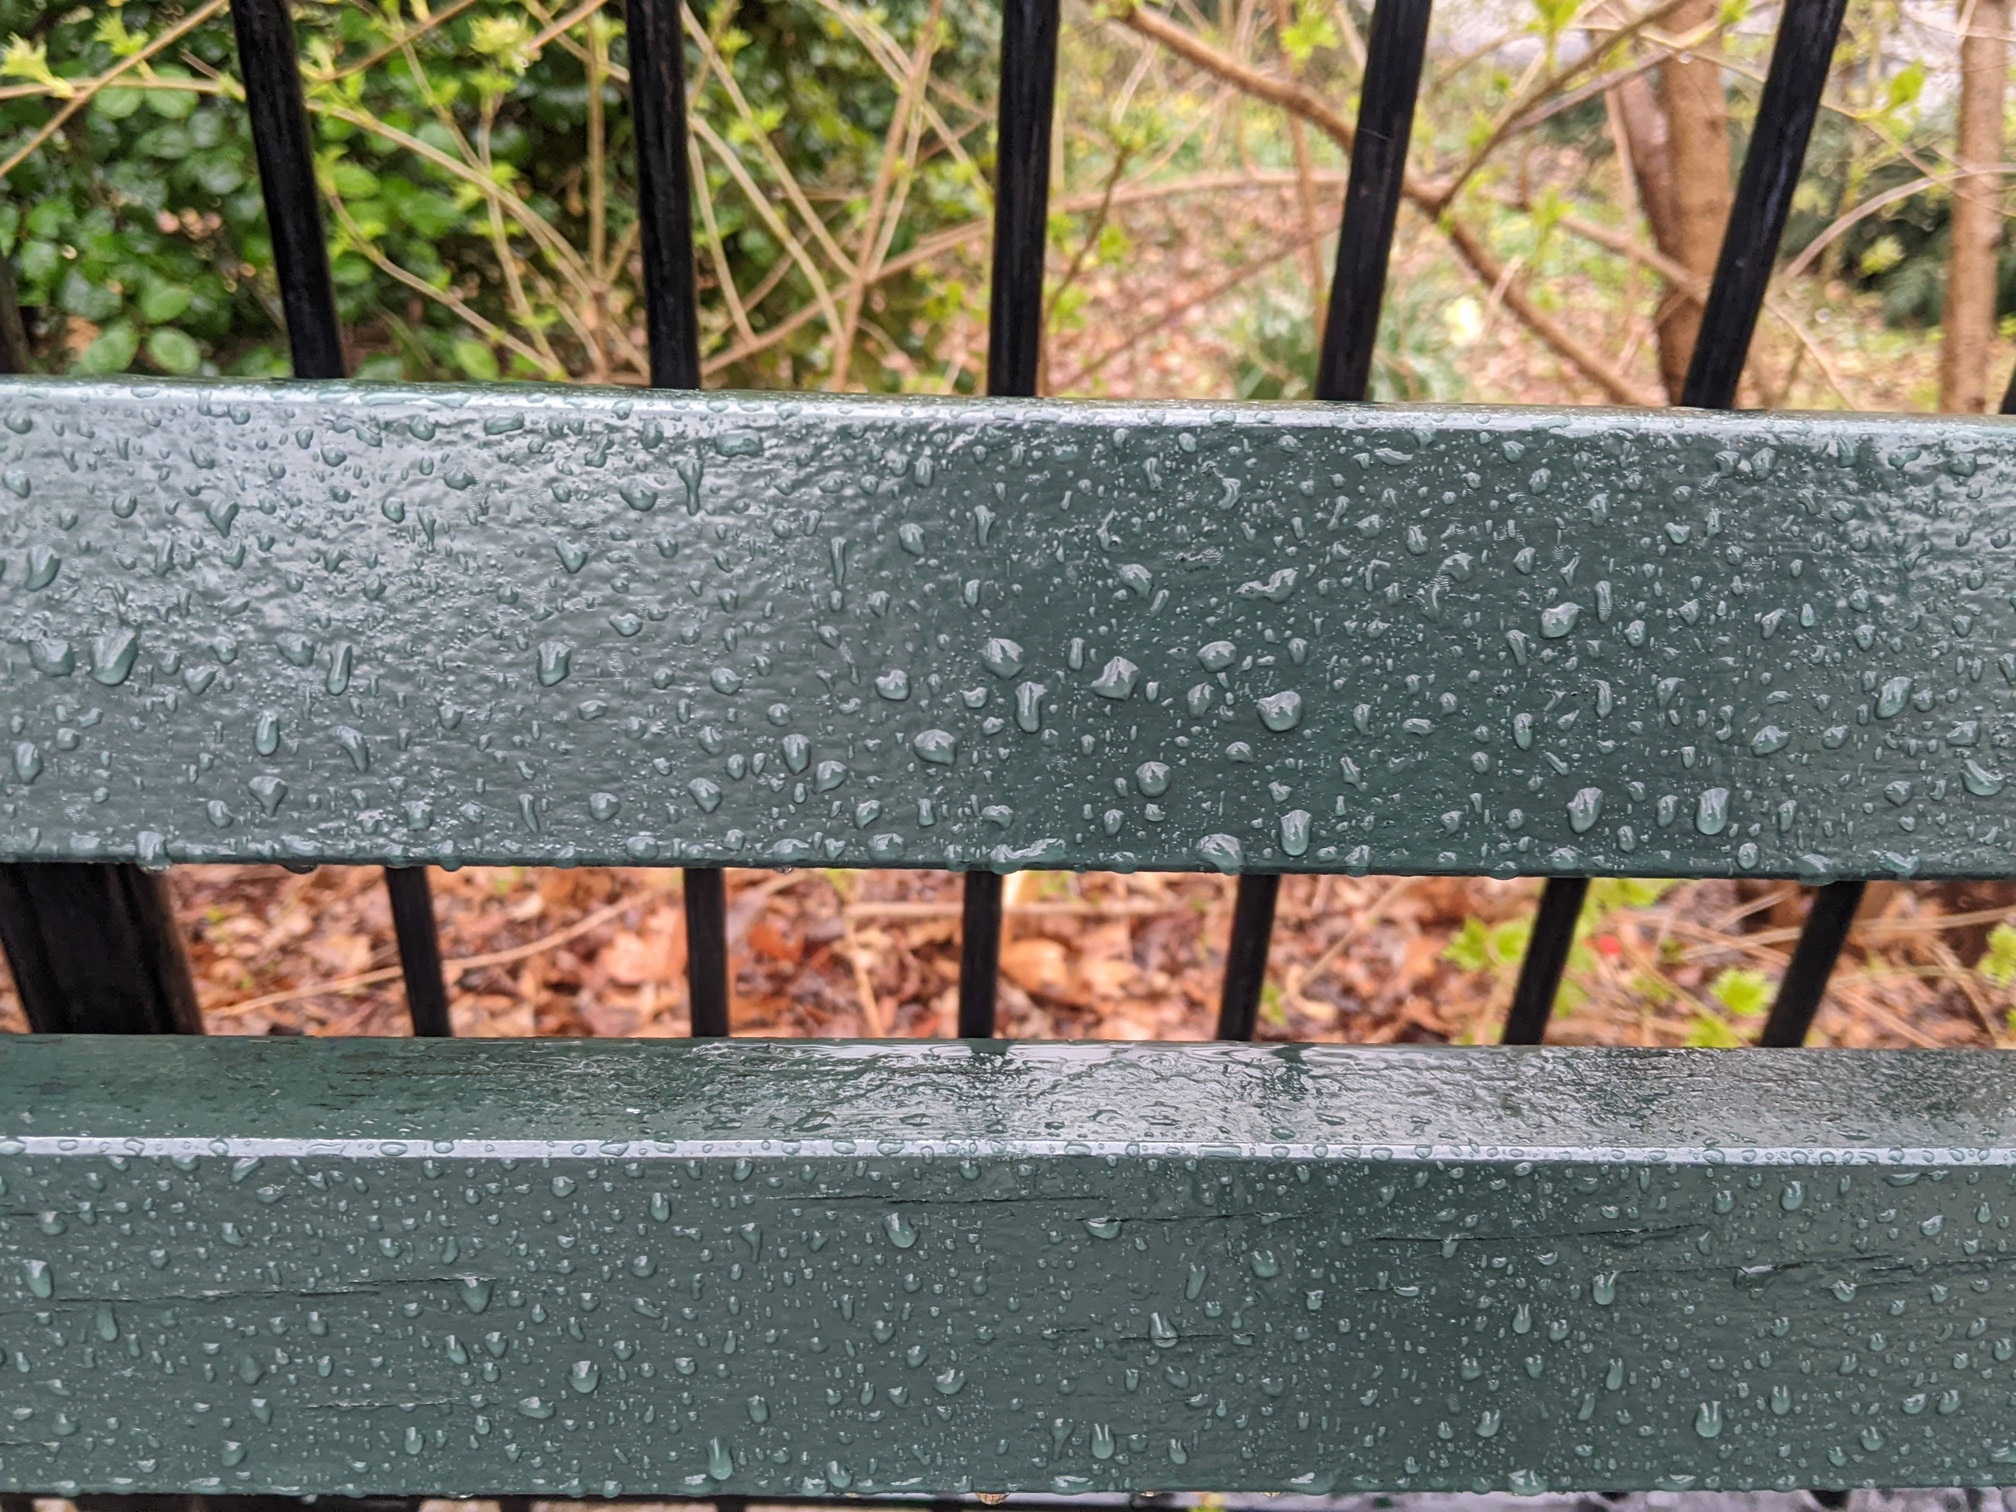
(1310, 30)
(171, 104)
(1470, 946)
(1744, 993)
(1881, 256)
(162, 302)
(476, 359)
(1509, 941)
(39, 261)
(171, 141)
(1998, 961)
(173, 351)
(1708, 1032)
(1907, 84)
(352, 180)
(1273, 1007)
(1555, 15)
(112, 352)
(86, 299)
(30, 61)
(115, 104)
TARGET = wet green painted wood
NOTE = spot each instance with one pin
(544, 1267)
(339, 623)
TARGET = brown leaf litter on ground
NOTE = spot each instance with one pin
(1373, 960)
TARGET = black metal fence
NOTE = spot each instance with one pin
(94, 948)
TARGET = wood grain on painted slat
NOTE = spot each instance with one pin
(584, 1269)
(340, 623)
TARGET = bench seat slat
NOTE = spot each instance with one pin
(563, 1268)
(343, 623)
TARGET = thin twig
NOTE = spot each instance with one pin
(86, 91)
(451, 969)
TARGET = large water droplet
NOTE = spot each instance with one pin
(1002, 657)
(1282, 711)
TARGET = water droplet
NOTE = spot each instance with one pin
(554, 660)
(1711, 811)
(1979, 781)
(901, 1234)
(1584, 809)
(1002, 657)
(1281, 711)
(1295, 831)
(1116, 680)
(113, 655)
(936, 746)
(1558, 620)
(1222, 852)
(1890, 702)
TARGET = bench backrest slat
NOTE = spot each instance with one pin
(345, 624)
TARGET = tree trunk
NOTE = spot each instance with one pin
(1678, 143)
(1697, 126)
(1969, 316)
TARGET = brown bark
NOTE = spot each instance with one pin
(1677, 141)
(1697, 138)
(1969, 316)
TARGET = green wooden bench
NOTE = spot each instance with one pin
(325, 623)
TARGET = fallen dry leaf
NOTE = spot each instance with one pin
(1041, 967)
(633, 958)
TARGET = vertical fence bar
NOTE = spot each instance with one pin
(1546, 957)
(93, 948)
(1394, 49)
(280, 137)
(272, 79)
(1014, 353)
(672, 325)
(1828, 921)
(1801, 57)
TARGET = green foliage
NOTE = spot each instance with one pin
(1998, 961)
(1744, 993)
(1417, 359)
(1706, 1031)
(1478, 946)
(452, 150)
(1311, 28)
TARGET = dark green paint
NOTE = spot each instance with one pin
(542, 1267)
(338, 623)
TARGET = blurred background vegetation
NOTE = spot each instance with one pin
(1572, 160)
